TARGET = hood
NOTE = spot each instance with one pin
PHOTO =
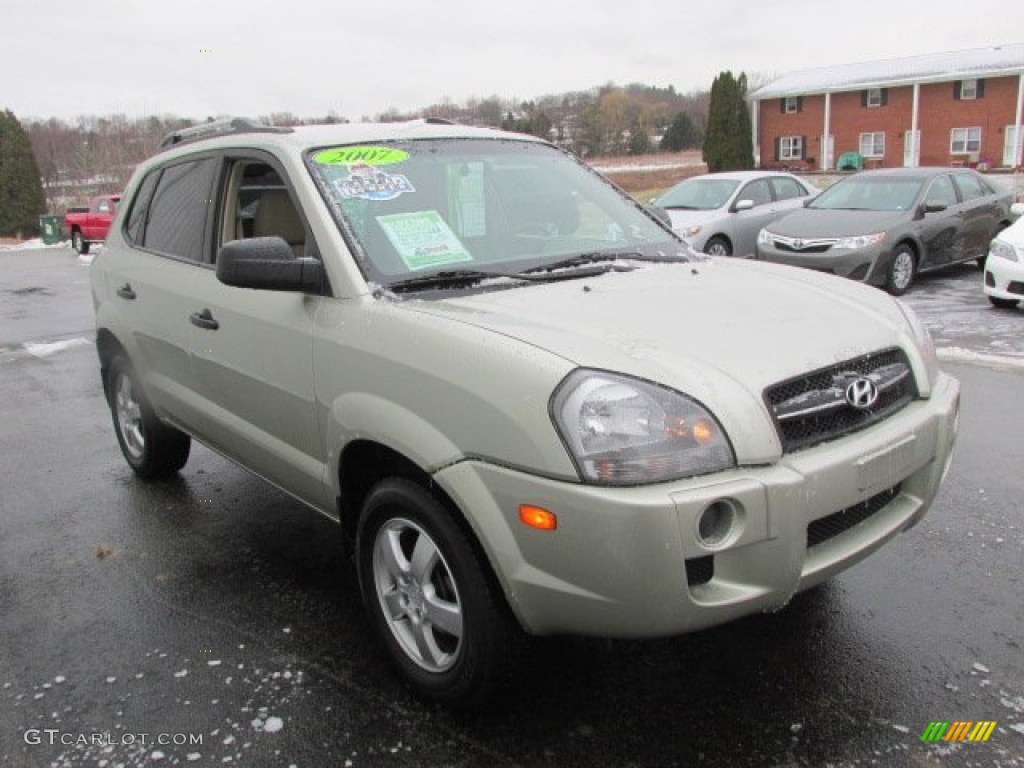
(819, 222)
(683, 217)
(720, 331)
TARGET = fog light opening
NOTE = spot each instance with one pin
(716, 523)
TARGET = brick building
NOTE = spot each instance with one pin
(957, 108)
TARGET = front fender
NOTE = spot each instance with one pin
(361, 415)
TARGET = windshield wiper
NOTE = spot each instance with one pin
(453, 277)
(597, 257)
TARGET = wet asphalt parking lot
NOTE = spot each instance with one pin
(212, 620)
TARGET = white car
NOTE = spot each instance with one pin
(721, 213)
(1004, 267)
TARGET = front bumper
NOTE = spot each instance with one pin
(1004, 279)
(869, 265)
(628, 562)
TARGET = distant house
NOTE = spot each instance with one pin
(957, 108)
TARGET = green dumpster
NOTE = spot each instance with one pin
(50, 227)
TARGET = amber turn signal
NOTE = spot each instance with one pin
(537, 517)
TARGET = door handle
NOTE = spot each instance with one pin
(205, 320)
(126, 292)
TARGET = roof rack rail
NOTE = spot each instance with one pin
(219, 128)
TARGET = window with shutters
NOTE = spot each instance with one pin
(791, 147)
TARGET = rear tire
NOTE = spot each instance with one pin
(427, 590)
(152, 449)
(901, 271)
(79, 243)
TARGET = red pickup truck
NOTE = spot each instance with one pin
(89, 225)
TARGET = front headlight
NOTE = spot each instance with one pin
(1004, 250)
(764, 237)
(860, 241)
(692, 231)
(625, 431)
(923, 340)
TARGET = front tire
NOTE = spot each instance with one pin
(901, 271)
(152, 449)
(429, 596)
(718, 246)
(1003, 303)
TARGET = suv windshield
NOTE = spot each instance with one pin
(870, 193)
(487, 206)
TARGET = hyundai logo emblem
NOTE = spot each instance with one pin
(862, 393)
(798, 244)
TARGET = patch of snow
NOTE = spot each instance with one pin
(181, 673)
(45, 349)
(979, 667)
(1018, 727)
(961, 355)
(273, 725)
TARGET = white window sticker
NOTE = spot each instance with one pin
(423, 239)
(467, 199)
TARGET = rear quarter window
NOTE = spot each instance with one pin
(172, 219)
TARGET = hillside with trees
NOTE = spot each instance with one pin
(96, 155)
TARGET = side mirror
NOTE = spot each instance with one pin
(743, 205)
(659, 213)
(268, 264)
(933, 206)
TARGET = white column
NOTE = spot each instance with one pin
(826, 153)
(915, 134)
(1019, 131)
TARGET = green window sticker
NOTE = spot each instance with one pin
(423, 239)
(360, 155)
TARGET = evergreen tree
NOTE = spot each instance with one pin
(639, 140)
(681, 134)
(727, 141)
(21, 189)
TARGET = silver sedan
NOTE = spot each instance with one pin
(721, 213)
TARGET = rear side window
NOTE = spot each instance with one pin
(970, 187)
(786, 189)
(174, 217)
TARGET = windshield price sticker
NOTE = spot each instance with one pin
(423, 239)
(360, 155)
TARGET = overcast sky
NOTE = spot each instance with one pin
(194, 58)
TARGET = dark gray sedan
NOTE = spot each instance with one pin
(885, 226)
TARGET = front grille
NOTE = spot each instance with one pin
(819, 248)
(819, 406)
(839, 522)
(801, 245)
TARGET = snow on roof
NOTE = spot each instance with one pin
(934, 67)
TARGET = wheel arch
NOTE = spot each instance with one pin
(720, 236)
(364, 463)
(108, 346)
